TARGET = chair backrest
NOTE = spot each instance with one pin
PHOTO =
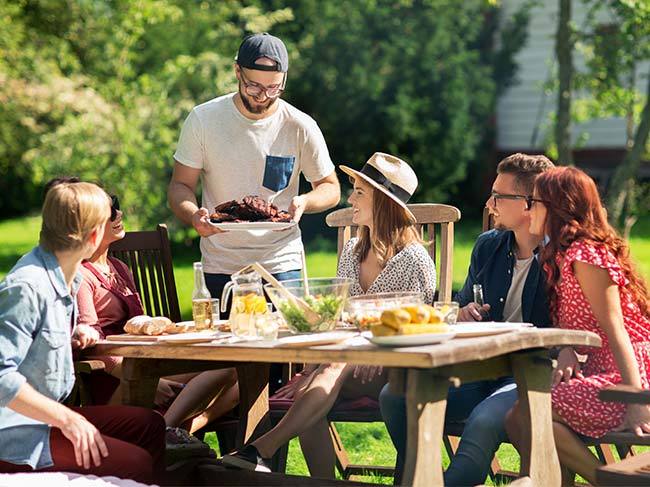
(427, 216)
(149, 257)
(488, 220)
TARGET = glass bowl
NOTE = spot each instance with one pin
(327, 297)
(364, 310)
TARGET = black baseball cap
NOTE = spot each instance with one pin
(265, 45)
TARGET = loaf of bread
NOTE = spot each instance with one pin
(146, 325)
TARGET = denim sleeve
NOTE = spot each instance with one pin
(19, 315)
(466, 294)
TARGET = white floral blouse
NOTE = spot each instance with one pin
(411, 269)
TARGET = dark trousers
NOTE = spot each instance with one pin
(135, 438)
(216, 283)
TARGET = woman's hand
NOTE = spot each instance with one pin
(637, 419)
(84, 336)
(568, 366)
(85, 438)
(367, 372)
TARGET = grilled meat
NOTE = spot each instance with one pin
(250, 209)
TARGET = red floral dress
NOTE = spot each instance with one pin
(577, 401)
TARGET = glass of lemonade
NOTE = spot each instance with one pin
(202, 313)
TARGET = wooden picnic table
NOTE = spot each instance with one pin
(424, 373)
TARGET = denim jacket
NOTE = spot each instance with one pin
(492, 264)
(36, 316)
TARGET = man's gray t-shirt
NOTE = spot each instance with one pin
(240, 157)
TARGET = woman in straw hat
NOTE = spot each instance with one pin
(387, 256)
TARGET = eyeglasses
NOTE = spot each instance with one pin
(530, 201)
(253, 89)
(115, 207)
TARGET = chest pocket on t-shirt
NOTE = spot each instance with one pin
(277, 172)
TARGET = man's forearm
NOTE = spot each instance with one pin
(322, 197)
(182, 201)
(35, 405)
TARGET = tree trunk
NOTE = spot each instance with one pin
(564, 53)
(616, 193)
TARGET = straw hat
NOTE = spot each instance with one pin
(390, 175)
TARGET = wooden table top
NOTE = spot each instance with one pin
(429, 356)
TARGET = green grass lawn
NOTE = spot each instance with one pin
(365, 443)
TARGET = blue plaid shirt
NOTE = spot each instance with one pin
(36, 316)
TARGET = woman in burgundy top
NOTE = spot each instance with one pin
(107, 299)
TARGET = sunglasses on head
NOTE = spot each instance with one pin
(115, 207)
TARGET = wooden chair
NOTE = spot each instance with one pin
(632, 469)
(148, 256)
(430, 217)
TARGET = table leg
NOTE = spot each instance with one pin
(253, 401)
(426, 401)
(138, 386)
(532, 371)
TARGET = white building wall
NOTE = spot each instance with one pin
(525, 107)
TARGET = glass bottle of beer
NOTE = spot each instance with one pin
(478, 294)
(201, 300)
(478, 299)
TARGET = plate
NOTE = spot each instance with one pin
(412, 340)
(313, 339)
(246, 226)
(193, 337)
(478, 329)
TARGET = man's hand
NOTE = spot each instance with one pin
(473, 312)
(86, 440)
(568, 366)
(297, 207)
(84, 336)
(201, 222)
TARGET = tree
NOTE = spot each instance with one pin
(414, 78)
(615, 52)
(564, 42)
(99, 89)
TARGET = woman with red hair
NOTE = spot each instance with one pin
(592, 286)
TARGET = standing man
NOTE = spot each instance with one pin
(504, 262)
(251, 143)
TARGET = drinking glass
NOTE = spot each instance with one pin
(448, 310)
(216, 316)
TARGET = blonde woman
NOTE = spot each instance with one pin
(37, 323)
(387, 256)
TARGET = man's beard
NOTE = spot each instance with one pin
(256, 109)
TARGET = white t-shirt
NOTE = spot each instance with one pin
(240, 157)
(512, 307)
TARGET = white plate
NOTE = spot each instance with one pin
(313, 339)
(231, 226)
(478, 329)
(193, 337)
(411, 340)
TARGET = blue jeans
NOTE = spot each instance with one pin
(482, 405)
